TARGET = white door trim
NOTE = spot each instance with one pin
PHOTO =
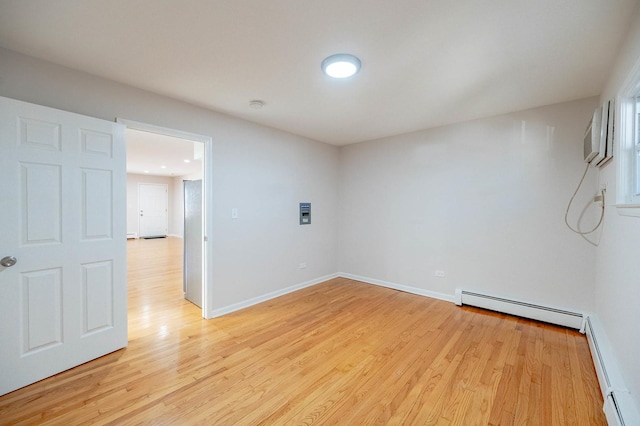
(207, 197)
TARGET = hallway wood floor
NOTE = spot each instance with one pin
(341, 352)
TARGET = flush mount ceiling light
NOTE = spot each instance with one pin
(341, 65)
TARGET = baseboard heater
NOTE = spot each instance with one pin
(619, 408)
(520, 308)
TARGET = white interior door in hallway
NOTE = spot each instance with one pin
(63, 288)
(153, 199)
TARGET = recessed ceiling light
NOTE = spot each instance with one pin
(146, 171)
(256, 104)
(187, 161)
(341, 65)
(163, 167)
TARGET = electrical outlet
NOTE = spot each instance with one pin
(439, 273)
(303, 265)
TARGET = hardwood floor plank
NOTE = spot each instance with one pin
(340, 352)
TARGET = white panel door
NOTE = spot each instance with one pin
(62, 216)
(153, 200)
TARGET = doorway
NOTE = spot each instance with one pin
(161, 160)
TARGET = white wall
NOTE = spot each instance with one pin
(263, 172)
(618, 262)
(133, 180)
(483, 201)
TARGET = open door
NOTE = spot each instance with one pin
(193, 241)
(63, 290)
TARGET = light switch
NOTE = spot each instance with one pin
(305, 213)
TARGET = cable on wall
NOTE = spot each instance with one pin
(566, 213)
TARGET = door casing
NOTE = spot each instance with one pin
(207, 197)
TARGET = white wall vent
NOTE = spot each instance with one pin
(520, 308)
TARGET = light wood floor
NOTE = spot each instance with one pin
(341, 352)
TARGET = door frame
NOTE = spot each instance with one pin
(207, 197)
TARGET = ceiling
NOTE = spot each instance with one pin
(425, 63)
(160, 155)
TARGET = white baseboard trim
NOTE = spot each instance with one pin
(522, 308)
(619, 407)
(259, 299)
(401, 287)
(175, 235)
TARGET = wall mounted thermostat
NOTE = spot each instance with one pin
(305, 213)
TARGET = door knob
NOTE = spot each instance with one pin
(8, 261)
